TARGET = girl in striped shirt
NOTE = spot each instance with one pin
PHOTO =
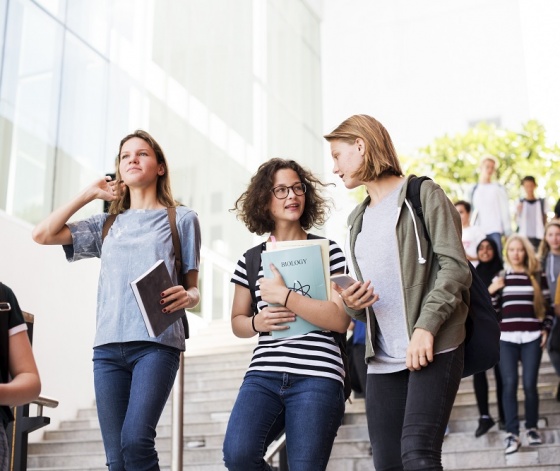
(520, 295)
(294, 383)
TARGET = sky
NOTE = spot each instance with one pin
(429, 67)
(426, 68)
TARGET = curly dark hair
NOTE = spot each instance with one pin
(252, 206)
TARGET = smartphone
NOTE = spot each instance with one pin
(344, 281)
(5, 306)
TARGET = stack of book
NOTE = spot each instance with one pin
(305, 269)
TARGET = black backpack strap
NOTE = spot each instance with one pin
(252, 265)
(413, 194)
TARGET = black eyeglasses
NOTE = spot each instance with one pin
(282, 192)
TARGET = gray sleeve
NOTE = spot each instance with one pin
(189, 232)
(86, 238)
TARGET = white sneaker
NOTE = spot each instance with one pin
(533, 437)
(512, 443)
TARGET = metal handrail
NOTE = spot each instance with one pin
(278, 447)
(43, 401)
(177, 418)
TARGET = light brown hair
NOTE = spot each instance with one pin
(163, 191)
(544, 247)
(380, 156)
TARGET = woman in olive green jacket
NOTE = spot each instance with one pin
(419, 282)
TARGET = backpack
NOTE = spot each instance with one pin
(482, 341)
(252, 265)
(171, 214)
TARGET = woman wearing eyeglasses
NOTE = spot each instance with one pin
(293, 384)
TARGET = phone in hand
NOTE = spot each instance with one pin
(345, 281)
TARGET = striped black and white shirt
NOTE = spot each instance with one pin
(312, 354)
(515, 304)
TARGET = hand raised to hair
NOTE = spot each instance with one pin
(105, 189)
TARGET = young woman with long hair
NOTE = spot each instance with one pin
(416, 328)
(521, 299)
(125, 358)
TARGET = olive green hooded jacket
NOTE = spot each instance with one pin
(435, 275)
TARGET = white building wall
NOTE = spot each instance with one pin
(212, 80)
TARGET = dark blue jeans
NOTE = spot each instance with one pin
(529, 354)
(407, 413)
(132, 383)
(309, 409)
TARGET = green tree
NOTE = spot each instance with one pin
(453, 161)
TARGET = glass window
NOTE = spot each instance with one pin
(83, 103)
(29, 97)
(89, 19)
(54, 7)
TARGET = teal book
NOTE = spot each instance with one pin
(302, 271)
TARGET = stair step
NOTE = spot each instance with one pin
(212, 378)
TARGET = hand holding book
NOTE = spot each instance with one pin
(299, 269)
(148, 289)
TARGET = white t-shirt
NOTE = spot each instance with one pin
(491, 208)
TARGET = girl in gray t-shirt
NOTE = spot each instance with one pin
(133, 372)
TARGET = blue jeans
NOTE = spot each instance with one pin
(310, 410)
(530, 356)
(132, 383)
(407, 413)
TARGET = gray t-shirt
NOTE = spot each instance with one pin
(137, 239)
(377, 255)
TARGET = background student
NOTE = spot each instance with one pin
(549, 256)
(521, 298)
(490, 203)
(488, 268)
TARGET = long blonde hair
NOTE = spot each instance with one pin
(163, 191)
(533, 270)
(544, 247)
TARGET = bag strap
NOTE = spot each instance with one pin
(252, 265)
(172, 215)
(107, 225)
(413, 195)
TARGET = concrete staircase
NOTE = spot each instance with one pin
(215, 362)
